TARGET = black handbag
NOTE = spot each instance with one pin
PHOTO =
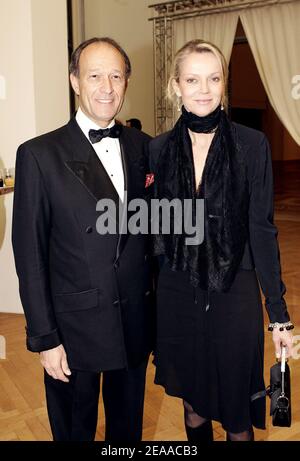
(280, 393)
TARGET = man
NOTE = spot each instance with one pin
(86, 296)
(134, 123)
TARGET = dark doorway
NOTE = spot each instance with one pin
(249, 117)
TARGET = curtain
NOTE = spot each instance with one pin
(78, 22)
(216, 28)
(273, 33)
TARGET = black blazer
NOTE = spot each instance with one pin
(90, 292)
(261, 251)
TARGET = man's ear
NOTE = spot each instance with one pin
(75, 83)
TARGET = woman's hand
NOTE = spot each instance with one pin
(282, 338)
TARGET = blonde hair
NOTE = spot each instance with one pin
(197, 46)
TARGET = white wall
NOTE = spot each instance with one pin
(17, 118)
(127, 22)
(34, 64)
(50, 58)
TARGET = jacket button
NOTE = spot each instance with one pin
(89, 229)
(116, 303)
(116, 264)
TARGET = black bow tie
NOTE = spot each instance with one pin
(97, 135)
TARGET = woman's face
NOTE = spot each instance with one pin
(200, 83)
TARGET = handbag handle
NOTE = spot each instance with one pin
(283, 358)
(283, 355)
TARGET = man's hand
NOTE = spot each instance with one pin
(55, 363)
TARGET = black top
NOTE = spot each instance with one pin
(261, 251)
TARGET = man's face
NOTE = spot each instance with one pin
(101, 84)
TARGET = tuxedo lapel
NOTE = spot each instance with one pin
(130, 157)
(86, 166)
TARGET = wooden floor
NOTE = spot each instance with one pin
(22, 402)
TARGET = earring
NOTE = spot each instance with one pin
(178, 102)
(222, 107)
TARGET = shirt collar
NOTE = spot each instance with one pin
(86, 124)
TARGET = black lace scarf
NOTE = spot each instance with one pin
(212, 264)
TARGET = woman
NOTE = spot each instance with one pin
(210, 321)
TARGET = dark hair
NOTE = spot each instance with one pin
(134, 123)
(74, 62)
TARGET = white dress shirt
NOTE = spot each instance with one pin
(108, 151)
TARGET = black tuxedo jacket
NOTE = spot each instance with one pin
(90, 292)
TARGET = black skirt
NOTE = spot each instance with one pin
(210, 349)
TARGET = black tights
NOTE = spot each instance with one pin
(193, 420)
(246, 436)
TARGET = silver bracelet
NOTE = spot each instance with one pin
(282, 326)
